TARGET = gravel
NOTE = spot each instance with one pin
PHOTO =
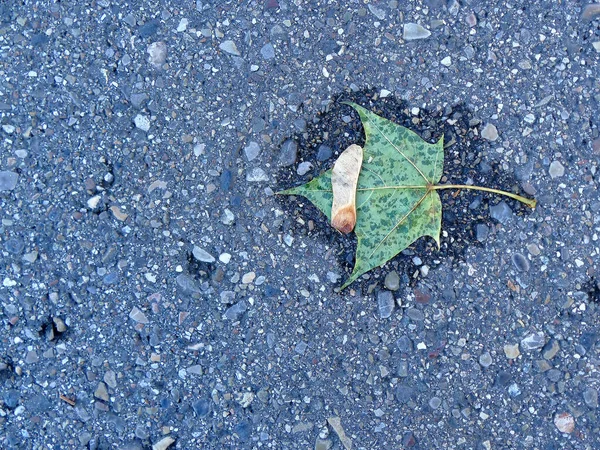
(131, 136)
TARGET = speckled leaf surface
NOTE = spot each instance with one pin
(395, 205)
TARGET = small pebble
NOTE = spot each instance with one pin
(248, 278)
(163, 444)
(533, 341)
(590, 397)
(481, 232)
(392, 281)
(59, 324)
(8, 180)
(485, 359)
(256, 175)
(202, 255)
(511, 351)
(142, 122)
(447, 61)
(201, 407)
(235, 312)
(414, 31)
(183, 23)
(324, 152)
(157, 52)
(227, 297)
(564, 422)
(138, 315)
(110, 378)
(514, 390)
(14, 246)
(435, 402)
(501, 212)
(590, 11)
(32, 357)
(489, 132)
(377, 12)
(520, 262)
(11, 398)
(187, 284)
(533, 249)
(301, 347)
(288, 153)
(415, 314)
(303, 168)
(385, 303)
(227, 218)
(268, 51)
(471, 20)
(551, 349)
(101, 392)
(229, 47)
(251, 150)
(8, 129)
(556, 169)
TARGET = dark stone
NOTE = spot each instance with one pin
(149, 28)
(300, 124)
(201, 407)
(14, 246)
(243, 430)
(554, 375)
(288, 153)
(520, 262)
(404, 393)
(386, 303)
(39, 39)
(11, 398)
(501, 212)
(408, 440)
(404, 344)
(588, 339)
(110, 278)
(138, 99)
(481, 232)
(38, 404)
(324, 152)
(226, 180)
(503, 379)
(236, 311)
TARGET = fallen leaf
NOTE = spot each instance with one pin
(344, 178)
(396, 195)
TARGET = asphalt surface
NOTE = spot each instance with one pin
(156, 293)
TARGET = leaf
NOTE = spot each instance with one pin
(394, 205)
(396, 196)
(344, 180)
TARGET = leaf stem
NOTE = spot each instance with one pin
(531, 202)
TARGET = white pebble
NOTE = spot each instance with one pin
(142, 122)
(304, 167)
(447, 61)
(556, 169)
(489, 132)
(183, 23)
(202, 255)
(225, 258)
(92, 203)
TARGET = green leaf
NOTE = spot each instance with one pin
(396, 199)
